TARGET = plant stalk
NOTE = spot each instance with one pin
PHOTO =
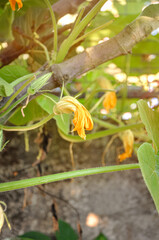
(8, 186)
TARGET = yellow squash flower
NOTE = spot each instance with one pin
(82, 118)
(128, 141)
(110, 100)
(13, 3)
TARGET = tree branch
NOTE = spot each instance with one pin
(92, 57)
(121, 44)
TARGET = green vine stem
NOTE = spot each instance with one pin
(92, 31)
(44, 48)
(13, 105)
(103, 123)
(29, 127)
(17, 92)
(8, 186)
(92, 136)
(67, 43)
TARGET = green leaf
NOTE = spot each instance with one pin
(63, 122)
(6, 20)
(47, 102)
(65, 232)
(148, 160)
(66, 44)
(150, 120)
(101, 237)
(5, 88)
(33, 112)
(11, 72)
(34, 236)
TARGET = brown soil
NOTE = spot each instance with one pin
(120, 200)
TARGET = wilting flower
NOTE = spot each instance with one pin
(1, 217)
(109, 100)
(82, 118)
(128, 141)
(13, 3)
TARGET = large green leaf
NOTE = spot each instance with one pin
(101, 237)
(150, 119)
(65, 232)
(148, 161)
(6, 20)
(33, 112)
(47, 102)
(12, 72)
(34, 236)
(5, 88)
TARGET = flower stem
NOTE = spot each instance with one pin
(8, 186)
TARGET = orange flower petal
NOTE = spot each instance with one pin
(13, 3)
(82, 119)
(110, 100)
(128, 141)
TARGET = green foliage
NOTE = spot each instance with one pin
(34, 236)
(148, 162)
(150, 120)
(67, 43)
(33, 112)
(65, 232)
(5, 88)
(12, 72)
(6, 20)
(101, 237)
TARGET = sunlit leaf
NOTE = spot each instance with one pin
(5, 88)
(148, 160)
(12, 72)
(150, 119)
(33, 112)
